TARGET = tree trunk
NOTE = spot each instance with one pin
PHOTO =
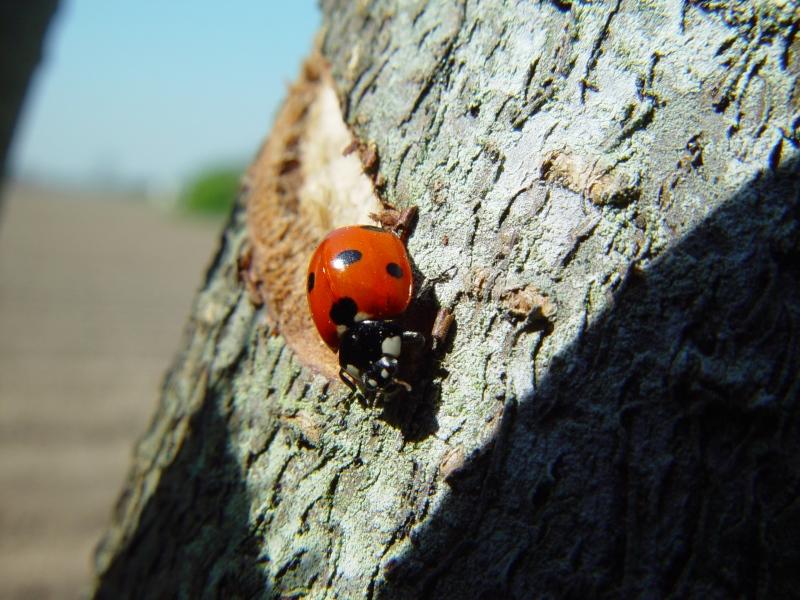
(608, 199)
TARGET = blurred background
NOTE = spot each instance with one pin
(126, 155)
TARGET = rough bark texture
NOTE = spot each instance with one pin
(608, 201)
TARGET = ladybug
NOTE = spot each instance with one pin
(359, 281)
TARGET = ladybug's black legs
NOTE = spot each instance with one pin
(348, 380)
(370, 354)
(357, 386)
(399, 383)
(413, 338)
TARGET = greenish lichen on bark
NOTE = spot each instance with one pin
(608, 201)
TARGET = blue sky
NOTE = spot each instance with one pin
(149, 92)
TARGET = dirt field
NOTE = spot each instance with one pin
(93, 298)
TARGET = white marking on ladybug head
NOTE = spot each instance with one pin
(384, 374)
(391, 346)
(372, 383)
(361, 316)
(341, 329)
(353, 370)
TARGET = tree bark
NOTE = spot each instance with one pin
(608, 200)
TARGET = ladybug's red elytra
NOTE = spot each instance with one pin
(359, 280)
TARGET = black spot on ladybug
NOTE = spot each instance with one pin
(343, 311)
(394, 270)
(310, 282)
(345, 258)
(373, 228)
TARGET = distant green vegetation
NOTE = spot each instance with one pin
(212, 192)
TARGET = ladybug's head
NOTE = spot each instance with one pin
(369, 356)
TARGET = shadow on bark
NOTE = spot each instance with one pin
(661, 453)
(193, 539)
(414, 413)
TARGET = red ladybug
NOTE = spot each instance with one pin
(359, 280)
